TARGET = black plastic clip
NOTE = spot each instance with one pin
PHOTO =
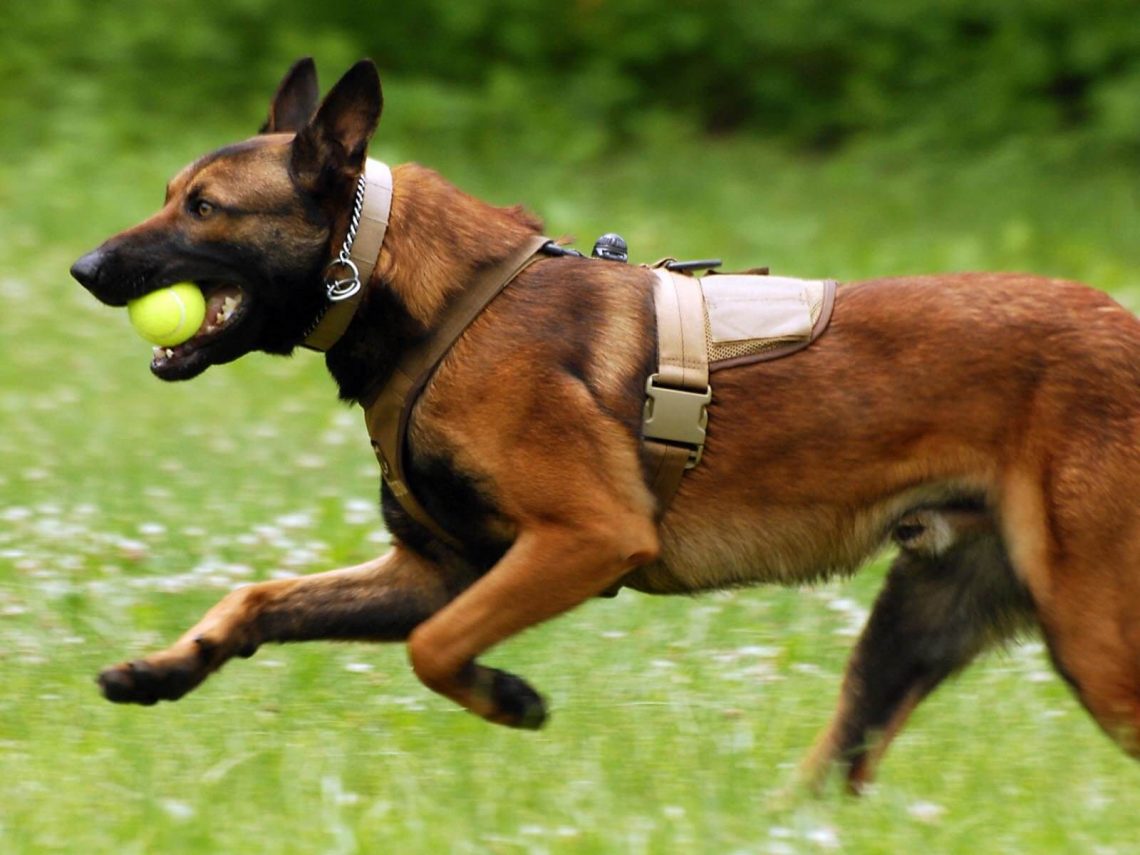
(554, 250)
(688, 266)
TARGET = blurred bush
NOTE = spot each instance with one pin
(818, 74)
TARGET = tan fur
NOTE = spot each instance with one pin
(990, 422)
(425, 264)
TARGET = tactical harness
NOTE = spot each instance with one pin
(702, 326)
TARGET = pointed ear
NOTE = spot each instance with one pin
(295, 101)
(335, 141)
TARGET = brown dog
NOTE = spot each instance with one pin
(989, 423)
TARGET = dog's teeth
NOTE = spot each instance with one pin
(229, 306)
(169, 353)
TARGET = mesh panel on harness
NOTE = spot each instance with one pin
(751, 318)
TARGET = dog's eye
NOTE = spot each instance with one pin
(202, 209)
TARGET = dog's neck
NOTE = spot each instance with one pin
(437, 238)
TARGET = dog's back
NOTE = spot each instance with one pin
(923, 391)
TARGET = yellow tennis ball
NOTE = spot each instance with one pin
(168, 316)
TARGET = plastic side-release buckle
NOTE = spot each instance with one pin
(677, 416)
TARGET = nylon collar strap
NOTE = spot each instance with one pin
(374, 215)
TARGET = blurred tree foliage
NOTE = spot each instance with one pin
(818, 74)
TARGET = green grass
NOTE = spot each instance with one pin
(128, 506)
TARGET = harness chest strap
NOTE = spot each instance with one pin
(675, 414)
(678, 395)
(387, 410)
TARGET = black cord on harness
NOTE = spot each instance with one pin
(555, 251)
(612, 247)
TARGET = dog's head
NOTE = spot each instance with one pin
(252, 224)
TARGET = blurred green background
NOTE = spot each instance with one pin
(814, 73)
(992, 132)
(843, 138)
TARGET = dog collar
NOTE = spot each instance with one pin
(357, 259)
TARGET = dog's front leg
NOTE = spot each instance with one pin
(550, 569)
(381, 600)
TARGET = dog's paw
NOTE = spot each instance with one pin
(516, 703)
(148, 681)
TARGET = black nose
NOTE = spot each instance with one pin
(86, 269)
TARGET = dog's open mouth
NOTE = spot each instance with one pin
(226, 307)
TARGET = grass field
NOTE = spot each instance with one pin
(128, 506)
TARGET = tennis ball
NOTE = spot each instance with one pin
(168, 316)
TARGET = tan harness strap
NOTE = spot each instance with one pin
(386, 412)
(374, 214)
(678, 395)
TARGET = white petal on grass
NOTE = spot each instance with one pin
(133, 550)
(824, 837)
(334, 793)
(298, 519)
(926, 811)
(808, 668)
(360, 512)
(178, 810)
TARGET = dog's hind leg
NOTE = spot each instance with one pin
(949, 595)
(1090, 615)
(1075, 538)
(381, 600)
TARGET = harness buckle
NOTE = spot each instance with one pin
(677, 416)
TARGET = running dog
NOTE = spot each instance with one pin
(989, 424)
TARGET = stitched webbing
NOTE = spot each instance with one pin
(386, 411)
(682, 358)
